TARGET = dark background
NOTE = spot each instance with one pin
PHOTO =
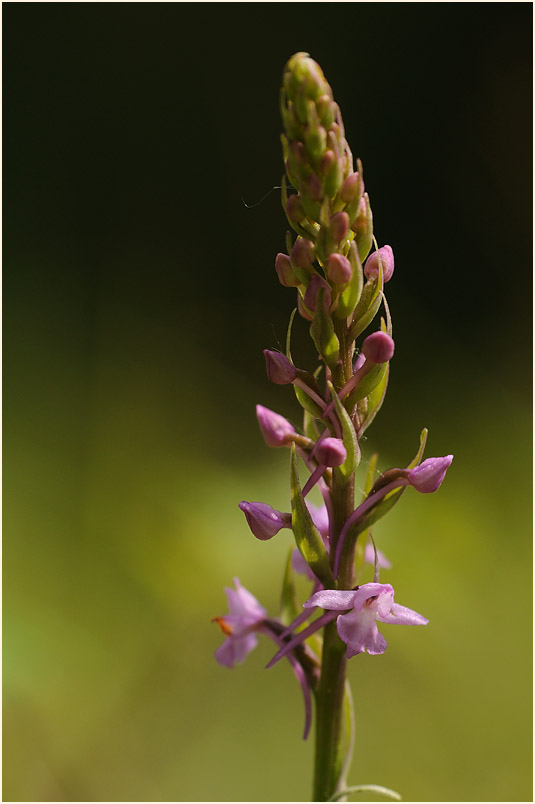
(139, 292)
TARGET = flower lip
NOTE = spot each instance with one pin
(429, 475)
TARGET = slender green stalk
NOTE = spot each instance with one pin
(329, 757)
(329, 720)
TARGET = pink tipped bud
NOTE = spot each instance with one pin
(327, 161)
(264, 520)
(428, 476)
(312, 290)
(378, 347)
(339, 226)
(294, 210)
(371, 269)
(360, 224)
(298, 152)
(330, 452)
(338, 269)
(312, 186)
(303, 252)
(301, 308)
(352, 187)
(283, 267)
(277, 430)
(278, 368)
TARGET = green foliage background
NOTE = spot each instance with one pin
(139, 292)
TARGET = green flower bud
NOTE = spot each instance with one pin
(315, 140)
(325, 108)
(303, 73)
(363, 227)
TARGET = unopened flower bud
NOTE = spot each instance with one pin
(378, 347)
(325, 108)
(312, 290)
(330, 452)
(277, 430)
(294, 210)
(339, 226)
(360, 224)
(428, 476)
(304, 74)
(352, 187)
(299, 153)
(315, 140)
(278, 368)
(283, 267)
(264, 520)
(312, 186)
(327, 161)
(338, 269)
(303, 252)
(303, 312)
(371, 268)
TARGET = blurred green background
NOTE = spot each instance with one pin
(139, 293)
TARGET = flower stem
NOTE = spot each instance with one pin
(330, 760)
(329, 705)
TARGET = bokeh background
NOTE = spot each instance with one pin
(139, 292)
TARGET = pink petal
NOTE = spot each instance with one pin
(333, 599)
(235, 650)
(369, 557)
(242, 603)
(401, 615)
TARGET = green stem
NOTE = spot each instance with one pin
(330, 757)
(329, 716)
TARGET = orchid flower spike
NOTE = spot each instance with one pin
(366, 604)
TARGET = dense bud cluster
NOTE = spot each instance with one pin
(340, 291)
